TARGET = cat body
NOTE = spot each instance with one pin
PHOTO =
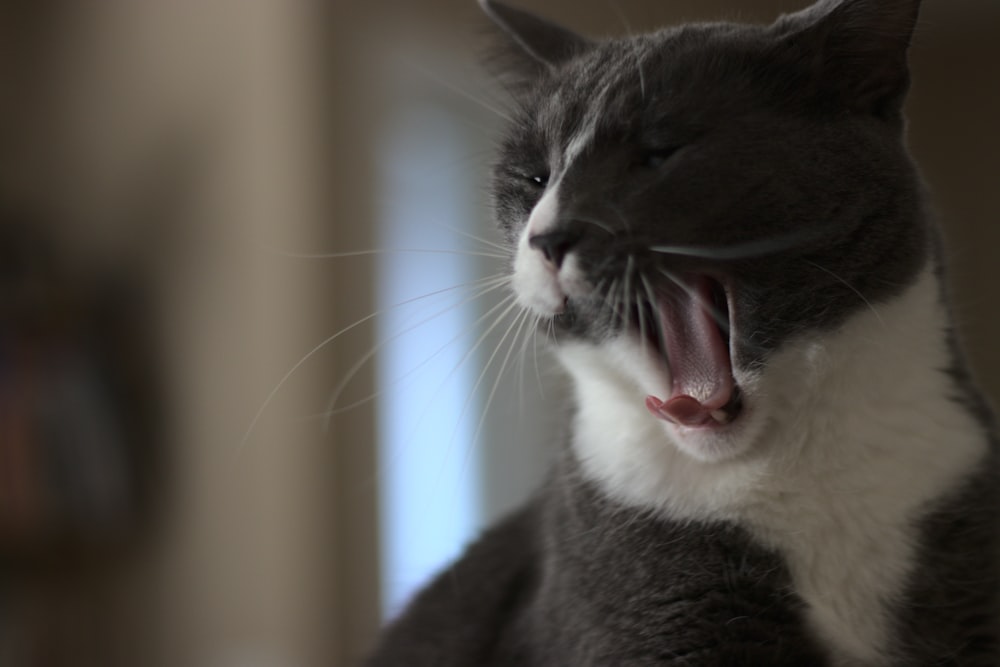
(775, 455)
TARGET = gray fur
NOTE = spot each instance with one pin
(575, 580)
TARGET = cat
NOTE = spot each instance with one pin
(776, 455)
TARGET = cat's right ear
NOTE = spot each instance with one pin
(538, 43)
(856, 49)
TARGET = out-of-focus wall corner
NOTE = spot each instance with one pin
(177, 146)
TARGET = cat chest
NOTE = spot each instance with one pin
(618, 588)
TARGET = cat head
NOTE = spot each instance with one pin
(689, 202)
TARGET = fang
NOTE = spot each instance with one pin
(721, 416)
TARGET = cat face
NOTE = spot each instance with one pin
(686, 204)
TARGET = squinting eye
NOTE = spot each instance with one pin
(653, 159)
(539, 180)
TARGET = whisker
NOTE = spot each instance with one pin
(468, 353)
(740, 250)
(534, 337)
(627, 290)
(722, 319)
(651, 295)
(613, 302)
(491, 285)
(636, 53)
(482, 374)
(597, 223)
(522, 355)
(465, 406)
(642, 315)
(384, 251)
(519, 322)
(642, 74)
(334, 410)
(850, 287)
(620, 214)
(489, 362)
(326, 341)
(599, 289)
(508, 251)
(432, 76)
(620, 304)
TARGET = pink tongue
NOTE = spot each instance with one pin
(700, 369)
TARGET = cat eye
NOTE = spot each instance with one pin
(657, 157)
(535, 179)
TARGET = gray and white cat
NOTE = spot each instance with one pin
(775, 455)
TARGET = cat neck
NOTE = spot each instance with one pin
(863, 433)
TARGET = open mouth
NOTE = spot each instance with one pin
(689, 325)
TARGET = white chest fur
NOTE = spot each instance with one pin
(856, 436)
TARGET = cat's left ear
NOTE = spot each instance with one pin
(545, 43)
(858, 49)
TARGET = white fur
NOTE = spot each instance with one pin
(579, 143)
(535, 280)
(846, 438)
(538, 284)
(584, 135)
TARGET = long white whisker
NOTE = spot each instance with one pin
(455, 89)
(651, 295)
(510, 299)
(496, 246)
(496, 350)
(493, 284)
(614, 302)
(326, 341)
(385, 251)
(740, 250)
(720, 318)
(627, 291)
(468, 353)
(518, 321)
(503, 366)
(617, 209)
(465, 406)
(597, 223)
(642, 74)
(534, 336)
(522, 356)
(850, 287)
(635, 49)
(642, 315)
(599, 288)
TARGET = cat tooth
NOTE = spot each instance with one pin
(720, 416)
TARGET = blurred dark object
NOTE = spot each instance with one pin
(78, 440)
(75, 400)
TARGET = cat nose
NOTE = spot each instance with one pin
(555, 245)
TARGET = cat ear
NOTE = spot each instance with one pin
(858, 49)
(544, 42)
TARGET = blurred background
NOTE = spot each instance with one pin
(249, 316)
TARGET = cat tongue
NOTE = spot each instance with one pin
(700, 369)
